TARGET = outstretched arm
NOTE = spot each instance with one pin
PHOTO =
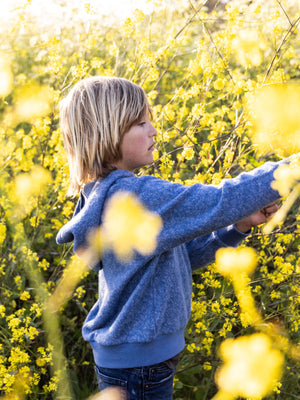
(258, 218)
(203, 249)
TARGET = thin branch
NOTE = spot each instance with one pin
(283, 42)
(164, 72)
(285, 13)
(190, 20)
(175, 37)
(215, 46)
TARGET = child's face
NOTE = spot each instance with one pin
(137, 146)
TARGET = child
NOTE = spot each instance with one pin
(136, 328)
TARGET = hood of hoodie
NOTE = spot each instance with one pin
(88, 211)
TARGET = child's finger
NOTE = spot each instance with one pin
(272, 208)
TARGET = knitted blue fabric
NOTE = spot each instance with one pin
(144, 305)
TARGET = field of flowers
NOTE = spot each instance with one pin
(223, 79)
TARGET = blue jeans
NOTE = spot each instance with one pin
(144, 383)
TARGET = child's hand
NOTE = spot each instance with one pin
(260, 217)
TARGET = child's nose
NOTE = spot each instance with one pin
(153, 131)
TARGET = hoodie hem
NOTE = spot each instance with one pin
(133, 355)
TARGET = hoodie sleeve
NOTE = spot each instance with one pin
(192, 211)
(202, 250)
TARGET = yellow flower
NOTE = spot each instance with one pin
(31, 184)
(207, 366)
(127, 226)
(18, 356)
(286, 176)
(25, 296)
(2, 312)
(251, 367)
(73, 273)
(26, 189)
(219, 84)
(32, 101)
(2, 233)
(138, 16)
(40, 362)
(188, 153)
(128, 27)
(248, 46)
(274, 115)
(6, 76)
(232, 262)
(237, 265)
(113, 393)
(155, 155)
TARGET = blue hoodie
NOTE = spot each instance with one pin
(145, 304)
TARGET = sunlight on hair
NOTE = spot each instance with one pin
(127, 226)
(6, 76)
(275, 118)
(251, 369)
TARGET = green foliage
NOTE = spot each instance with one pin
(196, 69)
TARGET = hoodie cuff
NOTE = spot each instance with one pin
(231, 236)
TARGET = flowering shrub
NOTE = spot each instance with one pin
(214, 72)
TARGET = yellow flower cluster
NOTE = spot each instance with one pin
(248, 46)
(252, 367)
(6, 76)
(197, 68)
(274, 114)
(287, 176)
(232, 262)
(127, 227)
(2, 233)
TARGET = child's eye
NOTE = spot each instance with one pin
(141, 123)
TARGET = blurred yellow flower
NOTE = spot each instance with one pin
(274, 114)
(127, 226)
(252, 367)
(237, 265)
(128, 27)
(73, 273)
(138, 16)
(248, 46)
(110, 393)
(286, 176)
(231, 262)
(6, 76)
(31, 184)
(219, 84)
(287, 182)
(26, 189)
(31, 102)
(2, 233)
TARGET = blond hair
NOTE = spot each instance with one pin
(94, 117)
